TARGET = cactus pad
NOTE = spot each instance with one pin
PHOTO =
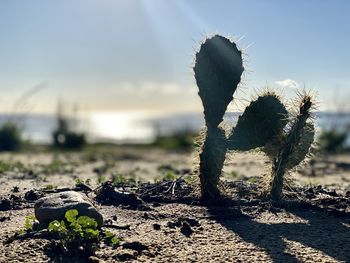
(302, 149)
(218, 71)
(261, 121)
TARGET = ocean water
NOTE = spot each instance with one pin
(138, 127)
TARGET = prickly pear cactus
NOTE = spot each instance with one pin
(218, 71)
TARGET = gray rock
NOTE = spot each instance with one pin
(54, 207)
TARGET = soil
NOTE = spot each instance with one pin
(166, 222)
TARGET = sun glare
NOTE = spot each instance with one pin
(121, 127)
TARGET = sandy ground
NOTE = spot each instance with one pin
(147, 164)
(220, 235)
(270, 237)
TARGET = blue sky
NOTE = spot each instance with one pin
(113, 55)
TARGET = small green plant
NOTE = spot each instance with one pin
(49, 187)
(75, 227)
(119, 179)
(81, 181)
(190, 179)
(129, 179)
(74, 232)
(235, 175)
(253, 180)
(101, 179)
(111, 238)
(80, 230)
(168, 176)
(28, 224)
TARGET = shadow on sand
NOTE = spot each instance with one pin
(323, 233)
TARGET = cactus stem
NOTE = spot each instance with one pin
(279, 166)
(212, 160)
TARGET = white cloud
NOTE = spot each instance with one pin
(165, 89)
(287, 83)
(149, 95)
(150, 89)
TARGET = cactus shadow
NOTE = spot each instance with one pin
(326, 234)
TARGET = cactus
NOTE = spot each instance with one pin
(218, 71)
(294, 148)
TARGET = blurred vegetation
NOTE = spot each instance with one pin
(332, 141)
(10, 131)
(168, 176)
(10, 137)
(14, 166)
(64, 137)
(177, 141)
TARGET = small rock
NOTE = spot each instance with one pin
(5, 204)
(32, 195)
(145, 216)
(4, 218)
(186, 229)
(156, 226)
(54, 207)
(171, 224)
(191, 221)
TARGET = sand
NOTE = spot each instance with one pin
(284, 235)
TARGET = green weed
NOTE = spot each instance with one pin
(28, 224)
(49, 187)
(129, 179)
(74, 232)
(81, 230)
(168, 176)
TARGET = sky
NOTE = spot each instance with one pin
(137, 55)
